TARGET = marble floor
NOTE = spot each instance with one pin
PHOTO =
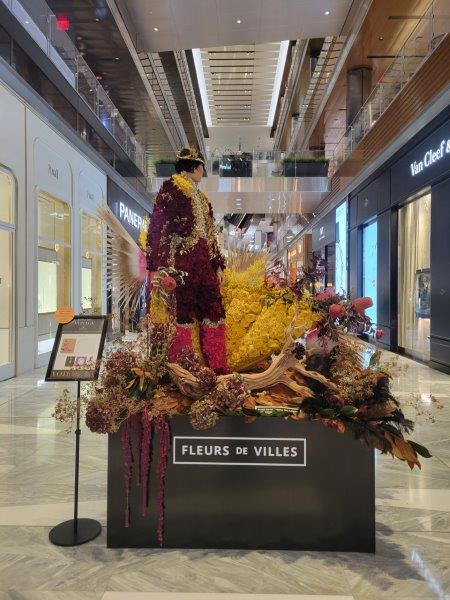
(36, 478)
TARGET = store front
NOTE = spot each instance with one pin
(414, 277)
(70, 269)
(299, 256)
(399, 246)
(134, 218)
(7, 270)
(324, 247)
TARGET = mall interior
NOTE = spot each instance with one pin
(323, 130)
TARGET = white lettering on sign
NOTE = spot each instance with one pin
(430, 157)
(265, 452)
(132, 218)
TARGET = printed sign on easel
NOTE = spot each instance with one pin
(78, 349)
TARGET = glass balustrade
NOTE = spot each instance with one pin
(255, 163)
(42, 24)
(423, 40)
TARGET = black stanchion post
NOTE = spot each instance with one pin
(75, 531)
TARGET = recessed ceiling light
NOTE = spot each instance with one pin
(381, 38)
(155, 29)
(117, 58)
(238, 21)
(97, 20)
(327, 12)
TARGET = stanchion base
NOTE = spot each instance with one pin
(65, 535)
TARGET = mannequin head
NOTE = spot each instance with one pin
(193, 168)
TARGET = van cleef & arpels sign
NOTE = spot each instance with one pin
(430, 157)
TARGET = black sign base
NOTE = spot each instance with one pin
(271, 484)
(65, 533)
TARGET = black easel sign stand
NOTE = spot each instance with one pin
(76, 356)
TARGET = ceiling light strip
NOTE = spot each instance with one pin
(202, 85)
(284, 46)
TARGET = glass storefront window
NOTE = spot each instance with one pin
(370, 268)
(6, 198)
(54, 265)
(341, 249)
(6, 274)
(330, 257)
(414, 277)
(92, 264)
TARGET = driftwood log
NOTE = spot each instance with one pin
(278, 373)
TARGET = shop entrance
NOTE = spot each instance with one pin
(414, 277)
(53, 268)
(7, 296)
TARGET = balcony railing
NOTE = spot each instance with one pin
(423, 40)
(41, 23)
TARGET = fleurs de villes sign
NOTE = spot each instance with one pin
(430, 157)
(233, 451)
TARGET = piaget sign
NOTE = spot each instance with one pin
(431, 157)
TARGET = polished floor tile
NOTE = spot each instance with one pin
(36, 491)
(182, 596)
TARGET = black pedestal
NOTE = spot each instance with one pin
(65, 534)
(271, 484)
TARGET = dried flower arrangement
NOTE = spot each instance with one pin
(317, 373)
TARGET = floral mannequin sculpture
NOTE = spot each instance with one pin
(182, 237)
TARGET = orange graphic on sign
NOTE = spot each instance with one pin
(64, 314)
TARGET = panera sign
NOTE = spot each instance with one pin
(235, 451)
(430, 157)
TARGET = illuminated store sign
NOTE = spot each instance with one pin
(324, 232)
(128, 215)
(430, 157)
(131, 214)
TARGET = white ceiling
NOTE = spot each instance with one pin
(240, 82)
(227, 139)
(184, 24)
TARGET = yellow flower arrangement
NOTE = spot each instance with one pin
(182, 182)
(257, 317)
(143, 242)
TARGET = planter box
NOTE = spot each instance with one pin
(305, 169)
(236, 167)
(164, 169)
(271, 484)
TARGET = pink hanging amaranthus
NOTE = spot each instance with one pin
(162, 427)
(145, 459)
(145, 426)
(127, 453)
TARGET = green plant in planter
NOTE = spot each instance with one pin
(165, 161)
(305, 159)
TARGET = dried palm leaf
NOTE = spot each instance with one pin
(125, 261)
(241, 260)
